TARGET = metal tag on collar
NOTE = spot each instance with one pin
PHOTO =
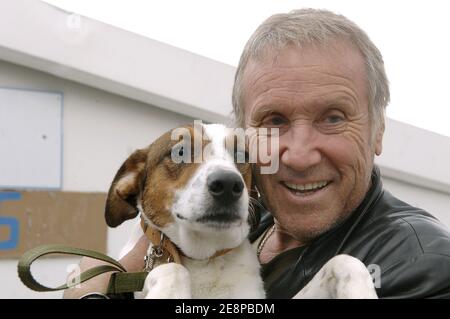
(154, 253)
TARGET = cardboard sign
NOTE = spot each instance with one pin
(30, 219)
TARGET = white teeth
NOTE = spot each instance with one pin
(307, 187)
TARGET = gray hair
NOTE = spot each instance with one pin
(312, 26)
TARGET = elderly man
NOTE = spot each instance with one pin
(318, 78)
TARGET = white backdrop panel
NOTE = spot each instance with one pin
(30, 139)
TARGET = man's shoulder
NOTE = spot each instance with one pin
(410, 247)
(393, 231)
(429, 233)
(407, 228)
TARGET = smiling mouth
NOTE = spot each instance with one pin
(306, 189)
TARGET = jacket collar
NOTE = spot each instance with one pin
(372, 197)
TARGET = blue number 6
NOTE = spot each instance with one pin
(13, 239)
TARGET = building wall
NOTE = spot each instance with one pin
(414, 167)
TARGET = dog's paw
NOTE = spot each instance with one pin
(168, 281)
(352, 279)
(342, 277)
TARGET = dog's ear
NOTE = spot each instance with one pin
(254, 212)
(254, 215)
(121, 203)
(248, 174)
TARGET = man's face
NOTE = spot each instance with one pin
(317, 97)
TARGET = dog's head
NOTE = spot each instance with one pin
(190, 187)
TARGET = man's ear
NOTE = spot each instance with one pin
(379, 140)
(123, 195)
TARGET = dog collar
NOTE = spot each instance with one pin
(164, 249)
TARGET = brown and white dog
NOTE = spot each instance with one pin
(203, 208)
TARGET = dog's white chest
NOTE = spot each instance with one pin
(233, 275)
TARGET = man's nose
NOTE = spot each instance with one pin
(300, 147)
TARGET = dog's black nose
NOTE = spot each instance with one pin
(225, 186)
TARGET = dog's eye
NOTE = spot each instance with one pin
(180, 154)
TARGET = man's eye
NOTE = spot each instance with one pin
(332, 122)
(275, 120)
(333, 119)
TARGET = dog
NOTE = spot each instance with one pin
(199, 208)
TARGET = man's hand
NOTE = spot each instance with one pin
(133, 262)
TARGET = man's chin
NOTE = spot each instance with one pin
(308, 231)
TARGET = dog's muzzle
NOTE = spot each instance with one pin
(225, 186)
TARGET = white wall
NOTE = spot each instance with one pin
(84, 50)
(414, 166)
(434, 202)
(100, 131)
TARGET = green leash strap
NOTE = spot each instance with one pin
(120, 282)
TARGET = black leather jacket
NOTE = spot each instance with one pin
(411, 248)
